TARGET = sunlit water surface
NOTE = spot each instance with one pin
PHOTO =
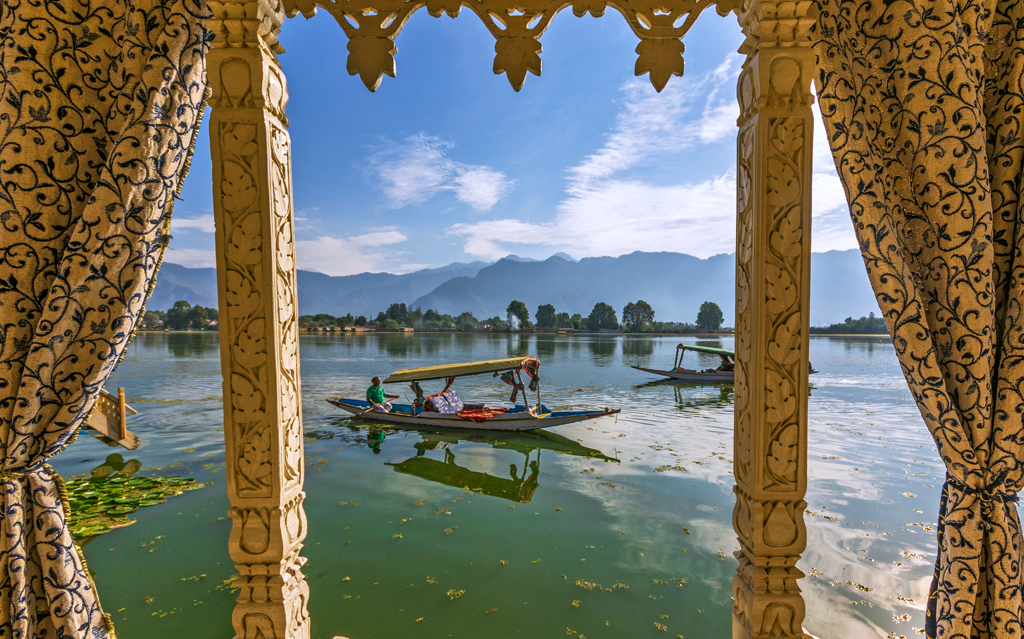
(525, 526)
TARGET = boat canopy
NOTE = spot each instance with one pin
(455, 370)
(706, 349)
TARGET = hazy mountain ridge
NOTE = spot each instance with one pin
(360, 294)
(674, 284)
(576, 287)
(175, 282)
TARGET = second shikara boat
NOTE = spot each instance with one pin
(724, 374)
(447, 410)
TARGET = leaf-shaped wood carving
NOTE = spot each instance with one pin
(251, 348)
(246, 401)
(781, 294)
(242, 296)
(237, 187)
(662, 58)
(240, 140)
(514, 56)
(783, 185)
(255, 461)
(784, 348)
(246, 242)
(789, 135)
(371, 57)
(782, 454)
(785, 240)
(780, 404)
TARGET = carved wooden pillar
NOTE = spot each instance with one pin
(258, 324)
(773, 251)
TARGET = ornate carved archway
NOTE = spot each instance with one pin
(256, 274)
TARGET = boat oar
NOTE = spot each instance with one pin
(368, 410)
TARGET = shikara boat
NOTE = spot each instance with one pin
(446, 409)
(724, 374)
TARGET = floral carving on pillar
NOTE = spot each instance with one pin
(516, 26)
(259, 331)
(772, 293)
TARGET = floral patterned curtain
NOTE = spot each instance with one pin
(924, 109)
(99, 105)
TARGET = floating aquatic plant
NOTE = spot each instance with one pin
(101, 504)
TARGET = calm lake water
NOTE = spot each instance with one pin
(642, 501)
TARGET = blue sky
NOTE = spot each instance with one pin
(447, 163)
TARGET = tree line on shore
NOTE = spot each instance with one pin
(181, 316)
(636, 317)
(869, 325)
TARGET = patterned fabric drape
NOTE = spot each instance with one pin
(924, 109)
(99, 105)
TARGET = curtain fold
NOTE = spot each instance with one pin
(924, 109)
(100, 103)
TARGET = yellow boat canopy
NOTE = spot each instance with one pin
(454, 370)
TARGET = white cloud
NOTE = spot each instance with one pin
(346, 256)
(380, 238)
(611, 208)
(480, 187)
(202, 223)
(192, 258)
(691, 218)
(608, 212)
(653, 125)
(419, 168)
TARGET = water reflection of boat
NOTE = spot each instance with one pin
(446, 409)
(686, 399)
(519, 486)
(521, 441)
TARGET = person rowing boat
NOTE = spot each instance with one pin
(377, 397)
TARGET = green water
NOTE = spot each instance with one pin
(606, 503)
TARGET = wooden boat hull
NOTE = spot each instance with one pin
(519, 420)
(686, 375)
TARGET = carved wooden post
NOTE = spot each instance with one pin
(773, 244)
(258, 330)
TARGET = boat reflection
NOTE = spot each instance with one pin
(717, 395)
(690, 395)
(519, 486)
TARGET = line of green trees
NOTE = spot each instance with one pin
(636, 317)
(181, 316)
(869, 325)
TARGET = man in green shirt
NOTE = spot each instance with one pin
(378, 398)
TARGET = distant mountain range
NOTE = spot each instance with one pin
(674, 284)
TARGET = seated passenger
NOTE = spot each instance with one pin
(727, 364)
